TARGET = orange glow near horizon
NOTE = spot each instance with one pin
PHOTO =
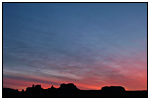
(119, 72)
(20, 84)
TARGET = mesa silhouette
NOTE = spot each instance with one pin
(71, 91)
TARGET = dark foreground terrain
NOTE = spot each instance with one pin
(79, 94)
(71, 91)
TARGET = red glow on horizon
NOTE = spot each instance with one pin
(119, 72)
(19, 84)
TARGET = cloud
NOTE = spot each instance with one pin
(60, 74)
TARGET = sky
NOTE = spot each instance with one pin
(89, 44)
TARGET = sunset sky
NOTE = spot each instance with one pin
(89, 44)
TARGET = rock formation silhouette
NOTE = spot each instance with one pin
(113, 88)
(9, 90)
(36, 88)
(68, 87)
(70, 90)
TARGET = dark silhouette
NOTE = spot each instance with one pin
(70, 90)
(37, 88)
(68, 87)
(52, 88)
(113, 88)
(9, 90)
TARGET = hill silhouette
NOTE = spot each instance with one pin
(68, 87)
(113, 88)
(70, 91)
